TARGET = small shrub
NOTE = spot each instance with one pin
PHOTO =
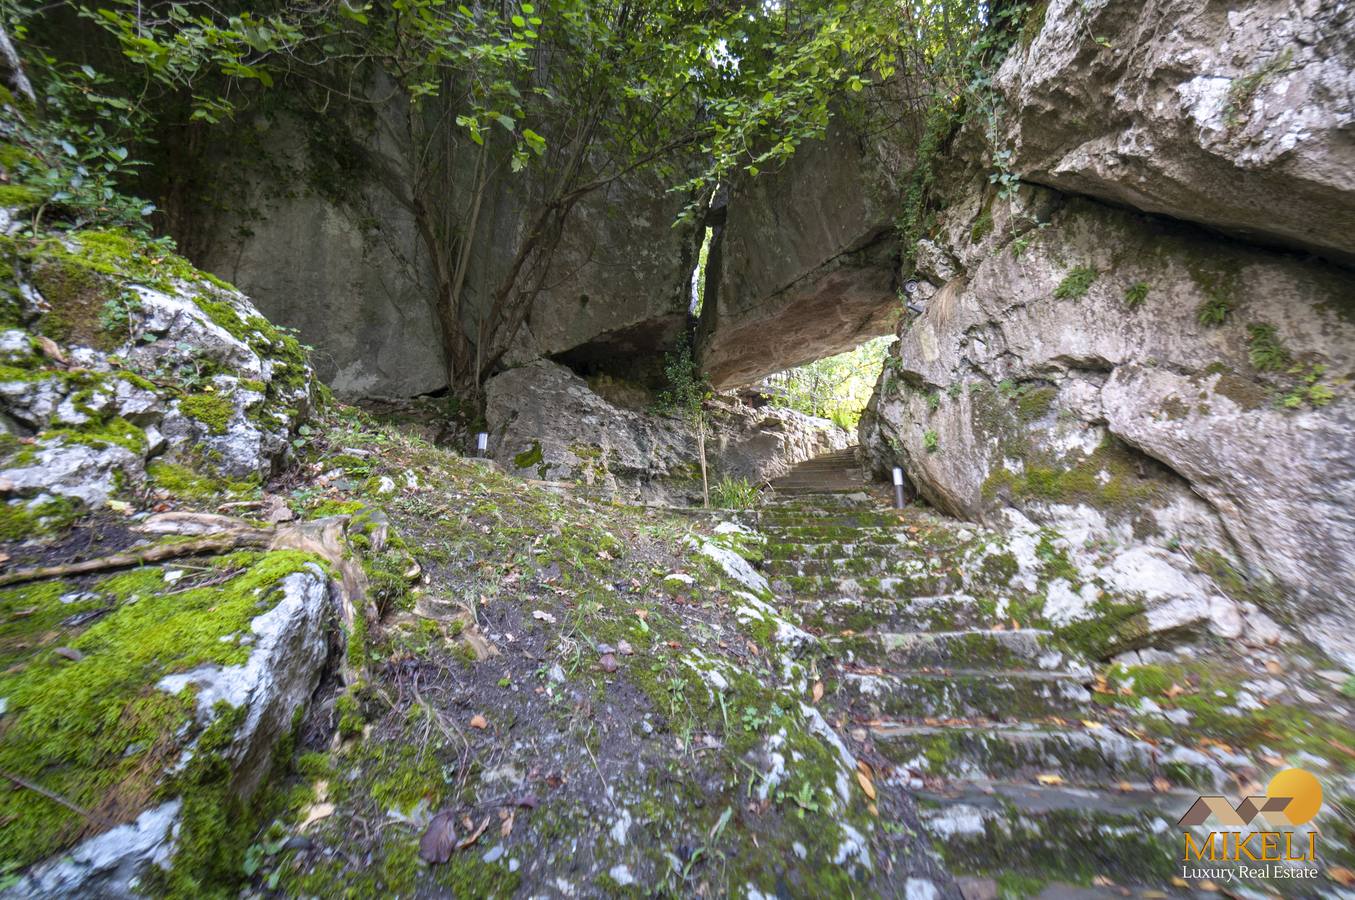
(1076, 283)
(931, 441)
(1137, 293)
(734, 493)
(1265, 350)
(933, 401)
(1213, 311)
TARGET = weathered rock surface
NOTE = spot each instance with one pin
(354, 278)
(808, 264)
(545, 422)
(1239, 117)
(185, 370)
(1038, 380)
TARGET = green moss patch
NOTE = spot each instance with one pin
(212, 410)
(97, 731)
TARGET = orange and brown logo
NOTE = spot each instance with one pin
(1292, 798)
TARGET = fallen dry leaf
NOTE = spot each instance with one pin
(439, 839)
(474, 835)
(866, 784)
(1178, 882)
(818, 691)
(507, 827)
(1090, 725)
(1050, 780)
(1209, 886)
(1161, 785)
(317, 812)
(873, 810)
(1102, 881)
(1274, 668)
(1174, 691)
(51, 350)
(543, 616)
(479, 721)
(1342, 876)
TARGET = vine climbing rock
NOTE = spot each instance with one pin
(1039, 750)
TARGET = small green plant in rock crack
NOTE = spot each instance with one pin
(115, 317)
(931, 440)
(755, 721)
(1309, 390)
(933, 401)
(1214, 310)
(1265, 350)
(1137, 293)
(1076, 283)
(805, 799)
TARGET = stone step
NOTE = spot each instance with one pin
(902, 561)
(895, 587)
(970, 648)
(862, 544)
(1057, 833)
(930, 612)
(999, 695)
(1087, 756)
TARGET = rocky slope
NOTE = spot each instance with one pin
(250, 646)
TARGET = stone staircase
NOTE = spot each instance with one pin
(837, 472)
(1018, 774)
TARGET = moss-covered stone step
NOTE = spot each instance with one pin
(828, 518)
(893, 563)
(969, 694)
(834, 614)
(863, 543)
(1057, 833)
(1093, 756)
(899, 587)
(972, 648)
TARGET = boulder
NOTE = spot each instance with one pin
(806, 265)
(184, 368)
(348, 269)
(546, 422)
(288, 648)
(1237, 116)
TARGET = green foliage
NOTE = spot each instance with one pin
(734, 493)
(1136, 295)
(836, 387)
(931, 440)
(1076, 283)
(1214, 310)
(1265, 350)
(686, 387)
(1310, 390)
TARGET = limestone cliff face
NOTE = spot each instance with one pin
(1238, 116)
(1132, 379)
(333, 249)
(807, 263)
